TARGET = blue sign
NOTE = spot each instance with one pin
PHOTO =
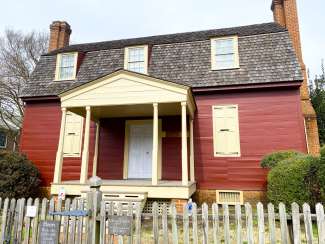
(77, 213)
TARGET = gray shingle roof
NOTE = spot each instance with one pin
(265, 51)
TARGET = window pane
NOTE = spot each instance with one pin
(225, 46)
(225, 61)
(67, 66)
(136, 67)
(3, 139)
(67, 60)
(136, 54)
(66, 73)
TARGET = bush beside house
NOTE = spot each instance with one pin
(18, 176)
(295, 177)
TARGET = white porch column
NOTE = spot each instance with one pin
(85, 152)
(59, 153)
(155, 145)
(184, 147)
(192, 169)
(96, 149)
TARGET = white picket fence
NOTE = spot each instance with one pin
(203, 224)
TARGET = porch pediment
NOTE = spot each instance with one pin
(126, 88)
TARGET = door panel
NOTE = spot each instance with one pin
(140, 151)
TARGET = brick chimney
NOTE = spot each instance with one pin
(285, 13)
(59, 35)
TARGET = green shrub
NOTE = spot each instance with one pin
(289, 181)
(18, 176)
(322, 151)
(271, 160)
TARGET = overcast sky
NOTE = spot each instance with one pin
(100, 20)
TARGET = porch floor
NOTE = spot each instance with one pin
(164, 189)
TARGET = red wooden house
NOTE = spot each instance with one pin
(170, 116)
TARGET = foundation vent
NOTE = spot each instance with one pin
(229, 197)
(148, 207)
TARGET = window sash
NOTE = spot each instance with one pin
(3, 139)
(224, 53)
(136, 59)
(66, 66)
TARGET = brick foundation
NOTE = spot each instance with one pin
(179, 203)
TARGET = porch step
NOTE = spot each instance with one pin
(125, 198)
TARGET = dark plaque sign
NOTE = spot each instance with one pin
(49, 232)
(119, 225)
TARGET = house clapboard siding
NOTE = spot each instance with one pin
(39, 140)
(268, 121)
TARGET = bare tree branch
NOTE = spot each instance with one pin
(19, 53)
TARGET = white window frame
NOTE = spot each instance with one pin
(6, 140)
(214, 53)
(214, 121)
(126, 57)
(75, 155)
(58, 62)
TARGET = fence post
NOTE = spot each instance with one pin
(94, 198)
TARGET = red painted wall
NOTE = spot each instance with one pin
(268, 121)
(111, 149)
(39, 140)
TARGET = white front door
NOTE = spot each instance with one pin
(140, 151)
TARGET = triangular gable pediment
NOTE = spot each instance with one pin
(122, 88)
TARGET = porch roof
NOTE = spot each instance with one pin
(125, 88)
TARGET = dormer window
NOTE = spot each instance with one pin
(224, 53)
(136, 59)
(66, 66)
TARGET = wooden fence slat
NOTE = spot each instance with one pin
(51, 209)
(155, 222)
(226, 223)
(283, 223)
(16, 221)
(174, 223)
(20, 219)
(205, 223)
(308, 223)
(138, 224)
(44, 208)
(194, 224)
(72, 230)
(35, 222)
(164, 220)
(260, 223)
(110, 211)
(320, 222)
(80, 222)
(120, 213)
(295, 223)
(215, 223)
(238, 217)
(27, 223)
(66, 221)
(271, 217)
(249, 223)
(4, 220)
(186, 233)
(102, 232)
(130, 213)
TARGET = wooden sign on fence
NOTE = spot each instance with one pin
(120, 225)
(49, 232)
